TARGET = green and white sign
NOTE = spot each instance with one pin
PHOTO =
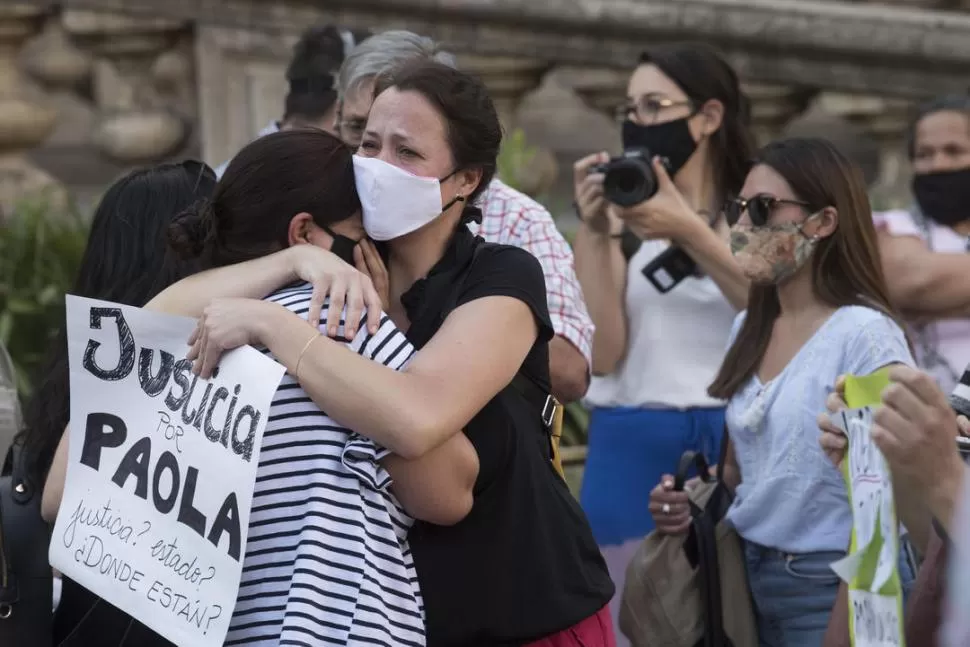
(871, 566)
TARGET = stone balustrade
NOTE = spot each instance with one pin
(113, 83)
(135, 123)
(86, 94)
(26, 120)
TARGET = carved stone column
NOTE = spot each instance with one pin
(136, 124)
(885, 122)
(508, 80)
(850, 138)
(63, 69)
(603, 90)
(555, 118)
(918, 4)
(25, 122)
(773, 107)
(573, 111)
(523, 163)
(889, 130)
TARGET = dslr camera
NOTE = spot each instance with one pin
(629, 180)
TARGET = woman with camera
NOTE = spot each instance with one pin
(654, 353)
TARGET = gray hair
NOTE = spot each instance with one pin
(383, 52)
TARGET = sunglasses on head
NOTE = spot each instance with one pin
(759, 208)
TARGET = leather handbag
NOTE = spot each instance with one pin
(691, 590)
(10, 418)
(26, 579)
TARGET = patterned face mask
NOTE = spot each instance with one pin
(769, 254)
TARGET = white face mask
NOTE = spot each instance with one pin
(394, 202)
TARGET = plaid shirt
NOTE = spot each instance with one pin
(513, 218)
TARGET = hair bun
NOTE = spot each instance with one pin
(192, 232)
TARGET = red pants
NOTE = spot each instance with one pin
(594, 631)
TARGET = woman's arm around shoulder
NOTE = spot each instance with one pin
(475, 354)
(437, 487)
(257, 278)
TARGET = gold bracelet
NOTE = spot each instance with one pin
(309, 343)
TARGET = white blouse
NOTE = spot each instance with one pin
(675, 342)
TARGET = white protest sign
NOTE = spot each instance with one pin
(161, 469)
(871, 567)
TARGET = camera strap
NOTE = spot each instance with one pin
(630, 243)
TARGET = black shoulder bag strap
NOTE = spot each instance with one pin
(26, 579)
(701, 545)
(540, 399)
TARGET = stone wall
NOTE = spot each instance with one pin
(89, 94)
(91, 87)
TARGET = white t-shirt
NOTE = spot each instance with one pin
(327, 559)
(943, 346)
(675, 342)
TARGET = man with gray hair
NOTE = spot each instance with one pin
(368, 60)
(509, 217)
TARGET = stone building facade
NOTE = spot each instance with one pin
(89, 88)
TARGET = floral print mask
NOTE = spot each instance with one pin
(771, 253)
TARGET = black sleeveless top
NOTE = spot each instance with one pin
(523, 564)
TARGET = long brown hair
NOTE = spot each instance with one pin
(846, 269)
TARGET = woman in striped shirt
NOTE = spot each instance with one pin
(522, 567)
(327, 558)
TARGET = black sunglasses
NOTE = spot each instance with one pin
(759, 207)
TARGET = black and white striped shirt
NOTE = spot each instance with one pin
(327, 560)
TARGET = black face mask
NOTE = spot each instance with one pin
(342, 247)
(944, 197)
(671, 140)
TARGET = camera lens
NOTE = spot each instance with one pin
(629, 181)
